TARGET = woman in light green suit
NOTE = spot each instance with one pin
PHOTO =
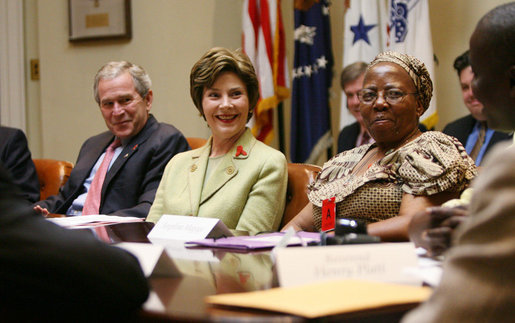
(233, 177)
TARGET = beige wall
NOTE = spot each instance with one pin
(452, 23)
(168, 37)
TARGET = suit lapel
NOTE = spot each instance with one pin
(225, 171)
(92, 155)
(196, 173)
(228, 169)
(128, 151)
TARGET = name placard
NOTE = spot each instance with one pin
(383, 262)
(185, 228)
(153, 260)
(176, 249)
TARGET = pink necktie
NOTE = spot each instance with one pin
(92, 203)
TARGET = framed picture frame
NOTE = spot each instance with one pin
(99, 20)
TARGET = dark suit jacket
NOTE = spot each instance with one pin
(131, 183)
(15, 155)
(349, 134)
(48, 272)
(462, 128)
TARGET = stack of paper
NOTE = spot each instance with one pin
(89, 221)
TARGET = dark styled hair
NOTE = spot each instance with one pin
(461, 62)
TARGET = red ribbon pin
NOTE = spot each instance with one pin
(240, 151)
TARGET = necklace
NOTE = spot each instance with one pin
(364, 162)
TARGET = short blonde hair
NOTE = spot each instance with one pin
(215, 61)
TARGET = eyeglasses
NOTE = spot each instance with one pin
(392, 96)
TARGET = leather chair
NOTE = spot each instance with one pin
(52, 175)
(299, 177)
(195, 142)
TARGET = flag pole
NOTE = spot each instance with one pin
(280, 121)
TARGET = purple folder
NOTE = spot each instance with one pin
(261, 241)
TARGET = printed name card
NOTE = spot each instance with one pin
(186, 228)
(154, 261)
(383, 262)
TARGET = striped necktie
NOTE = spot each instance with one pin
(479, 143)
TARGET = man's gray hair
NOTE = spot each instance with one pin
(111, 70)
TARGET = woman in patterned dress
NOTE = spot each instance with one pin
(404, 171)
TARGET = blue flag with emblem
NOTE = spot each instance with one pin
(311, 80)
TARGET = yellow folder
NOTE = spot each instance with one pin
(325, 298)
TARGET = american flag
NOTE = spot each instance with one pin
(311, 77)
(263, 42)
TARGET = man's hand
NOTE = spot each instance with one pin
(41, 210)
(432, 229)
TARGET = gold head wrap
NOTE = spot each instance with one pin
(415, 69)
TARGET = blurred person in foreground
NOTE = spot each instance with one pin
(472, 130)
(403, 172)
(16, 158)
(51, 273)
(478, 280)
(233, 177)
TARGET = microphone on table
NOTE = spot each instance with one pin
(348, 231)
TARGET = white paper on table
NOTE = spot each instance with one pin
(428, 270)
(83, 221)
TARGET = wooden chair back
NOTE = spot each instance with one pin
(299, 177)
(52, 175)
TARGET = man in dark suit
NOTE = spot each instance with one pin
(15, 155)
(122, 90)
(468, 129)
(351, 81)
(51, 273)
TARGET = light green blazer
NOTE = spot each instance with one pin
(247, 192)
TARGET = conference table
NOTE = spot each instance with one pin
(211, 271)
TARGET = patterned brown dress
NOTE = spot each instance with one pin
(430, 164)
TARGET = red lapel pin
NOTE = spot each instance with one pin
(240, 151)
